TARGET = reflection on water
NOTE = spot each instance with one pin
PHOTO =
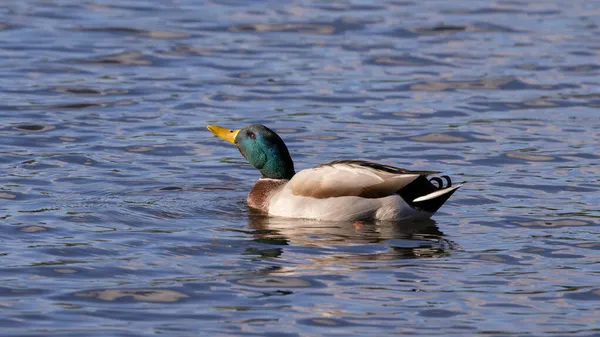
(407, 239)
(143, 295)
(121, 215)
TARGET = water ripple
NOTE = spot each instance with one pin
(122, 215)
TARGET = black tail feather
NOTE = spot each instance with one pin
(423, 186)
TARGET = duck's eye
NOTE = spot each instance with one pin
(251, 135)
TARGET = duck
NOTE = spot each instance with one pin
(341, 190)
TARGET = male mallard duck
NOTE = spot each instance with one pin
(339, 190)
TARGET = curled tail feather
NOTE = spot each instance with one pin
(428, 195)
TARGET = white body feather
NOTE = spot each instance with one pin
(285, 203)
(332, 192)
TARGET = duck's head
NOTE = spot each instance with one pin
(262, 147)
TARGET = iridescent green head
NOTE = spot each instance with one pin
(262, 147)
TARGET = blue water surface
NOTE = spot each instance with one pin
(123, 216)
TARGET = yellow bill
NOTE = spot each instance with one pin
(228, 135)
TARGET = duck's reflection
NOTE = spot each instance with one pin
(363, 240)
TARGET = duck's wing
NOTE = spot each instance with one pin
(353, 178)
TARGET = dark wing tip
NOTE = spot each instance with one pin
(379, 167)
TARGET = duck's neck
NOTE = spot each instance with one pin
(262, 191)
(278, 165)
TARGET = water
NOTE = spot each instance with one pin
(123, 216)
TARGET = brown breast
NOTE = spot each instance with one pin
(262, 190)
